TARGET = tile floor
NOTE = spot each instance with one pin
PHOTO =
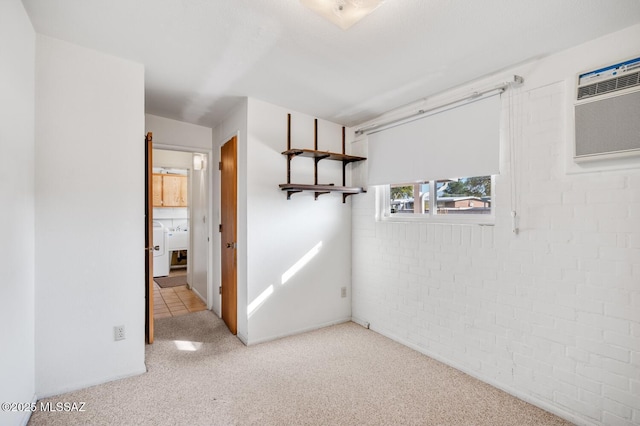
(174, 301)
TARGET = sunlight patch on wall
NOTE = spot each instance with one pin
(258, 301)
(301, 263)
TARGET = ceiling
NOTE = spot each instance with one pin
(202, 56)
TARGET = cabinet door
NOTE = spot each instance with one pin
(183, 191)
(169, 190)
(171, 186)
(157, 190)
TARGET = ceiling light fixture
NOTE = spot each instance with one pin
(343, 13)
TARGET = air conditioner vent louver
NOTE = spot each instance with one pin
(606, 113)
(613, 85)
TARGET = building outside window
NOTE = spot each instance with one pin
(439, 199)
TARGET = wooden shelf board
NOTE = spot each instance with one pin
(322, 155)
(320, 188)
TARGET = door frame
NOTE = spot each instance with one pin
(148, 230)
(212, 220)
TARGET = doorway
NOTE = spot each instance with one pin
(181, 211)
(184, 213)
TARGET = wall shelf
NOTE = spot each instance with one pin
(322, 155)
(318, 189)
(293, 188)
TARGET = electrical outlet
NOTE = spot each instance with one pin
(118, 332)
(343, 292)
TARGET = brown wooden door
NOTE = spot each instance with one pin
(228, 206)
(148, 236)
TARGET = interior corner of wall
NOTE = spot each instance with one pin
(243, 338)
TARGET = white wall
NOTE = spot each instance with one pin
(552, 315)
(200, 234)
(17, 65)
(280, 232)
(163, 158)
(178, 133)
(192, 138)
(235, 124)
(89, 217)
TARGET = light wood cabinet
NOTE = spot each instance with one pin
(157, 190)
(169, 190)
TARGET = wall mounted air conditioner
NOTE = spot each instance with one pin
(607, 112)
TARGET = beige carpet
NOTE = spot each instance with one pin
(340, 375)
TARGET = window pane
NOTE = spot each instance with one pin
(401, 199)
(409, 198)
(470, 195)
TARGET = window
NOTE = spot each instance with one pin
(467, 199)
(463, 141)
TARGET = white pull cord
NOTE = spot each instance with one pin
(515, 135)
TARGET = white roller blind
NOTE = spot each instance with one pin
(460, 142)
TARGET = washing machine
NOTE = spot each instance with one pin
(160, 252)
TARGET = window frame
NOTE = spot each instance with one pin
(383, 208)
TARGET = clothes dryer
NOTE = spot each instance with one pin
(160, 252)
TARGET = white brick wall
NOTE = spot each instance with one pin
(552, 314)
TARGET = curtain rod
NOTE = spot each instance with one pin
(517, 80)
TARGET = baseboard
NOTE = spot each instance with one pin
(243, 338)
(78, 386)
(299, 331)
(26, 415)
(579, 421)
(197, 293)
(361, 322)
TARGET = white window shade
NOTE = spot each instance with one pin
(459, 142)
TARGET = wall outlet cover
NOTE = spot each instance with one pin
(118, 332)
